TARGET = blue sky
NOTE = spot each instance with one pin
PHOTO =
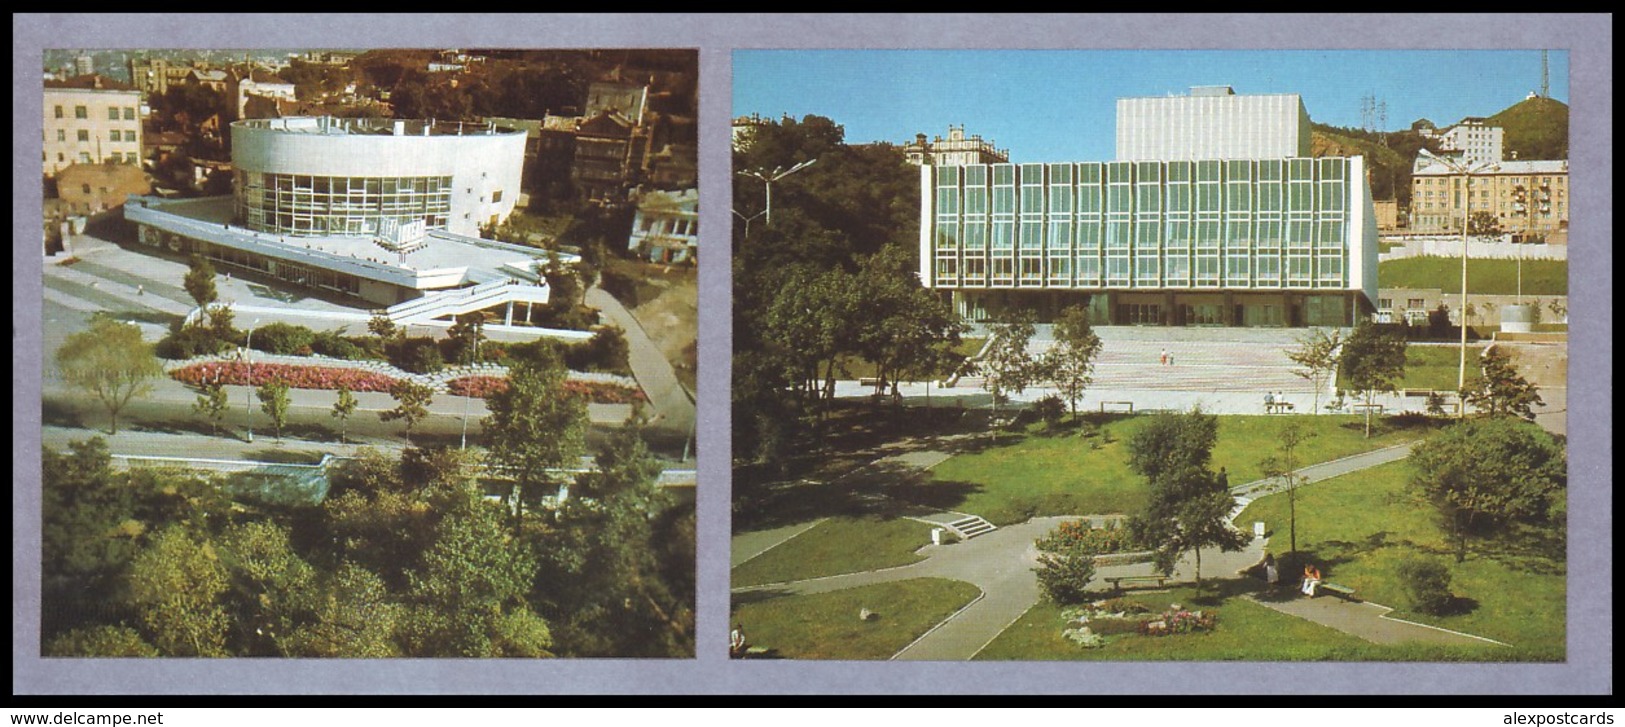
(1061, 105)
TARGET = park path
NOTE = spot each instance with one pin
(671, 402)
(1000, 565)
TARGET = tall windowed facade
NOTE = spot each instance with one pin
(1215, 215)
(1205, 242)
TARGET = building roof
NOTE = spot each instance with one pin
(1426, 167)
(89, 82)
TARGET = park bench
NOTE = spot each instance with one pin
(1127, 405)
(1375, 408)
(1344, 592)
(1118, 581)
(868, 381)
(1281, 407)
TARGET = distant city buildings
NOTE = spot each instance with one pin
(84, 65)
(956, 148)
(744, 127)
(90, 120)
(1212, 215)
(1525, 197)
(1471, 141)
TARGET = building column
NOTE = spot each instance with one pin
(508, 319)
(1228, 314)
(1170, 314)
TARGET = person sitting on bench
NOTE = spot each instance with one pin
(1311, 579)
(736, 642)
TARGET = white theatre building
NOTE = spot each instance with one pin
(1213, 214)
(385, 210)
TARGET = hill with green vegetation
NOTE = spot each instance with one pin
(1536, 128)
(1389, 155)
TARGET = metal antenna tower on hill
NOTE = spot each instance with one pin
(1382, 122)
(1545, 76)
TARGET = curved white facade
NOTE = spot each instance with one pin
(327, 176)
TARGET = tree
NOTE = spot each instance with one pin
(468, 594)
(354, 618)
(1284, 465)
(1502, 392)
(381, 326)
(221, 320)
(271, 588)
(603, 582)
(1483, 223)
(175, 585)
(342, 409)
(273, 396)
(1316, 357)
(1481, 474)
(100, 641)
(1373, 359)
(1065, 573)
(111, 361)
(1188, 508)
(1070, 363)
(199, 281)
(535, 426)
(902, 325)
(411, 403)
(465, 336)
(211, 403)
(1007, 366)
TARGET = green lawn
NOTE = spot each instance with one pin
(835, 546)
(1437, 367)
(1245, 631)
(1486, 276)
(826, 625)
(1033, 474)
(1363, 524)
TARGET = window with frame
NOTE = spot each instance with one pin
(61, 134)
(84, 135)
(112, 113)
(129, 113)
(80, 112)
(59, 111)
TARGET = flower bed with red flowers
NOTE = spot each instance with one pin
(1106, 540)
(297, 377)
(597, 392)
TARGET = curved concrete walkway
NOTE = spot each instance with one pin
(1000, 564)
(654, 373)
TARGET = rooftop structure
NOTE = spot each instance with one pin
(1213, 122)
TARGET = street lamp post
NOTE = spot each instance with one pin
(249, 398)
(466, 397)
(1464, 168)
(747, 220)
(768, 178)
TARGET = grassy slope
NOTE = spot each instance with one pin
(1364, 523)
(826, 625)
(1035, 474)
(1484, 276)
(835, 546)
(1536, 128)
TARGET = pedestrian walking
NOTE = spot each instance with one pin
(1224, 479)
(1163, 359)
(1170, 359)
(1269, 402)
(1272, 572)
(140, 290)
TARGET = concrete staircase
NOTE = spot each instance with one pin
(970, 526)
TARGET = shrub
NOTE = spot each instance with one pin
(190, 341)
(282, 338)
(331, 344)
(597, 392)
(619, 285)
(1427, 585)
(606, 352)
(1063, 574)
(1050, 409)
(417, 355)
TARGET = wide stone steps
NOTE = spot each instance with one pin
(970, 527)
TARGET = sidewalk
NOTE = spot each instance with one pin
(654, 373)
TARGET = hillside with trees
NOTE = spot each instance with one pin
(1536, 128)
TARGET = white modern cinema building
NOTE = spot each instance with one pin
(1213, 214)
(385, 210)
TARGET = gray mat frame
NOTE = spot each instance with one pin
(1589, 669)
